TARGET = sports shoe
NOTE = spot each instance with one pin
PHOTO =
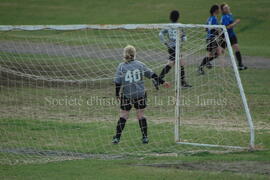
(115, 140)
(240, 68)
(156, 84)
(145, 140)
(201, 71)
(209, 65)
(184, 84)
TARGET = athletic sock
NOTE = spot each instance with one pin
(143, 126)
(182, 74)
(239, 58)
(164, 71)
(120, 126)
(206, 60)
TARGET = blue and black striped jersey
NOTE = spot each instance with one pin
(212, 20)
(226, 20)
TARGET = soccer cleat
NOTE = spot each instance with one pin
(184, 84)
(145, 140)
(201, 71)
(240, 68)
(156, 84)
(209, 65)
(115, 140)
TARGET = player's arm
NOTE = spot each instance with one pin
(117, 90)
(118, 81)
(151, 75)
(226, 22)
(183, 35)
(147, 72)
(214, 30)
(160, 80)
(237, 21)
(162, 34)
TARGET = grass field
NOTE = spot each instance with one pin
(251, 31)
(66, 137)
(129, 169)
(72, 136)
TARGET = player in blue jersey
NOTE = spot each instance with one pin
(212, 40)
(168, 38)
(129, 79)
(228, 20)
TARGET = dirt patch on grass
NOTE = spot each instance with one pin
(33, 156)
(90, 51)
(256, 167)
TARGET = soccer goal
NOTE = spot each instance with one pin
(57, 95)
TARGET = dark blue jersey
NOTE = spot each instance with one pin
(226, 20)
(212, 20)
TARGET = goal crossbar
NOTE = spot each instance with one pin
(102, 27)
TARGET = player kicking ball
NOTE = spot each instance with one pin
(168, 37)
(228, 20)
(129, 80)
(212, 41)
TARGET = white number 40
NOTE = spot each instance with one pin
(133, 76)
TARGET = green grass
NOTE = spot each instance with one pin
(78, 129)
(125, 169)
(256, 83)
(95, 137)
(74, 129)
(251, 31)
(67, 135)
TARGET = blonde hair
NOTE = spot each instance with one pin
(129, 53)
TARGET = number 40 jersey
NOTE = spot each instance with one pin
(130, 76)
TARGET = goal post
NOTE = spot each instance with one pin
(57, 94)
(177, 86)
(241, 89)
(239, 84)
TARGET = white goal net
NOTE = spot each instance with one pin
(57, 96)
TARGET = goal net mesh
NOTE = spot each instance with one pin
(57, 97)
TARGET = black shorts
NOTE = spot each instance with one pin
(171, 52)
(233, 41)
(212, 44)
(139, 103)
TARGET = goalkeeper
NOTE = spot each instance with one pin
(168, 37)
(129, 78)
